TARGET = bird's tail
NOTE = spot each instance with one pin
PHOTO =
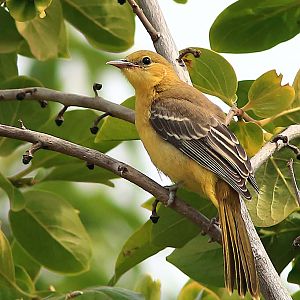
(239, 265)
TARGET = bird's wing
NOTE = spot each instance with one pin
(205, 140)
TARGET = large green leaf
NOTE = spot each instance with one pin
(250, 136)
(250, 26)
(200, 260)
(106, 24)
(78, 172)
(15, 196)
(267, 97)
(103, 293)
(8, 66)
(276, 199)
(28, 111)
(9, 35)
(279, 237)
(49, 224)
(114, 129)
(45, 36)
(212, 74)
(136, 249)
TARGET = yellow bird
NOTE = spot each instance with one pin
(186, 138)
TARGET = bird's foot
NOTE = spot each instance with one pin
(154, 216)
(172, 192)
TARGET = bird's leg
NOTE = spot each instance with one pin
(172, 192)
(215, 221)
(154, 216)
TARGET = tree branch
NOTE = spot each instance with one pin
(165, 45)
(97, 158)
(67, 99)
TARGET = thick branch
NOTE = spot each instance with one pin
(165, 45)
(121, 169)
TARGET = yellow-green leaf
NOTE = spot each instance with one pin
(212, 74)
(148, 287)
(267, 97)
(276, 199)
(250, 136)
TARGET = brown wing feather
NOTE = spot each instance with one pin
(211, 144)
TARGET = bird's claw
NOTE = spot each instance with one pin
(172, 193)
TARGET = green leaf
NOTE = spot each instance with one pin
(78, 172)
(7, 270)
(8, 66)
(212, 74)
(9, 35)
(8, 286)
(28, 111)
(293, 115)
(136, 249)
(257, 25)
(250, 136)
(276, 199)
(104, 293)
(200, 260)
(16, 198)
(23, 280)
(22, 258)
(27, 10)
(21, 10)
(267, 97)
(106, 24)
(49, 223)
(294, 275)
(45, 36)
(114, 129)
(148, 287)
(279, 237)
(296, 296)
(181, 1)
(173, 229)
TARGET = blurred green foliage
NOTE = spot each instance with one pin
(61, 227)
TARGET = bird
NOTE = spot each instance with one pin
(187, 139)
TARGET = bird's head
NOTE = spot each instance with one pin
(144, 68)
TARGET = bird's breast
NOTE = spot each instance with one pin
(171, 161)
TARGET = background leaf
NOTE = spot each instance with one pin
(60, 232)
(106, 24)
(8, 66)
(258, 25)
(46, 35)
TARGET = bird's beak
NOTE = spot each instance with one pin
(121, 64)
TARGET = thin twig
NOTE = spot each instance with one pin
(294, 181)
(148, 26)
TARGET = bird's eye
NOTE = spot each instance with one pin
(146, 60)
